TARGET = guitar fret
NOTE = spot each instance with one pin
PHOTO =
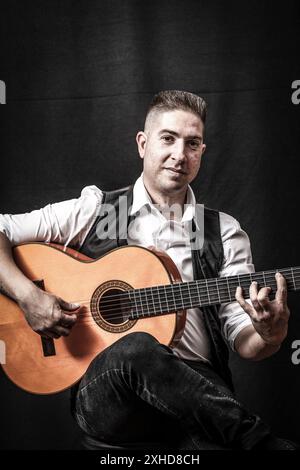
(136, 307)
(180, 290)
(228, 288)
(207, 290)
(153, 301)
(213, 291)
(130, 302)
(292, 271)
(148, 311)
(191, 302)
(141, 300)
(218, 291)
(166, 295)
(160, 307)
(198, 292)
(172, 289)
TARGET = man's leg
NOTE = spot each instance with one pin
(136, 379)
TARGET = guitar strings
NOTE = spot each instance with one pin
(143, 300)
(164, 307)
(155, 291)
(223, 282)
(141, 303)
(191, 286)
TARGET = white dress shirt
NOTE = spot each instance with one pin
(69, 222)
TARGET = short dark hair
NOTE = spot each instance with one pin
(169, 100)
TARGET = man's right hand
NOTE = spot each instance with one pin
(47, 314)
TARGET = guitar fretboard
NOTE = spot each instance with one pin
(158, 300)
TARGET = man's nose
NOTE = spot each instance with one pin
(178, 153)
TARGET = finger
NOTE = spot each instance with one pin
(263, 298)
(67, 305)
(281, 292)
(240, 298)
(67, 320)
(253, 292)
(239, 295)
(246, 306)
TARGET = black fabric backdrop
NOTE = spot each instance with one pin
(79, 77)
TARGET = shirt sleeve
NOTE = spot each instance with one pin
(237, 260)
(66, 222)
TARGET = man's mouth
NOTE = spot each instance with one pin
(176, 170)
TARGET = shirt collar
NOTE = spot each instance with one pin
(142, 198)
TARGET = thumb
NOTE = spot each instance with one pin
(67, 305)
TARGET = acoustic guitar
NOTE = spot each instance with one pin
(129, 289)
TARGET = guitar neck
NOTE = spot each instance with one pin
(158, 300)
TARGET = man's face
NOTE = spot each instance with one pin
(171, 147)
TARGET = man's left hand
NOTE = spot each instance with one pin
(269, 317)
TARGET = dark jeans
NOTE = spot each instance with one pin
(137, 392)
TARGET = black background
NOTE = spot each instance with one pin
(79, 77)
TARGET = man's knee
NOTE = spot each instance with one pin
(137, 349)
(135, 344)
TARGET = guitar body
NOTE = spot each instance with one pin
(76, 278)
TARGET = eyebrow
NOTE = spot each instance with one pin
(177, 135)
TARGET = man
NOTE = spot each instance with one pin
(138, 391)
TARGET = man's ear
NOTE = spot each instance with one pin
(203, 149)
(141, 140)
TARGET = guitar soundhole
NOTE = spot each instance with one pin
(111, 306)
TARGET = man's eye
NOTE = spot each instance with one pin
(168, 138)
(194, 144)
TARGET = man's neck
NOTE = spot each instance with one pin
(170, 205)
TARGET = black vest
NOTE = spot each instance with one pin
(207, 260)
